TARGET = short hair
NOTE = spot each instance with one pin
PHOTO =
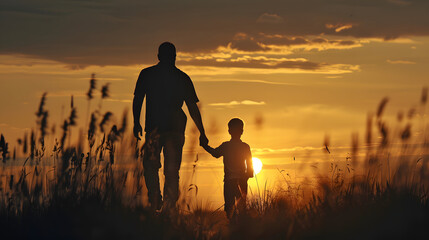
(167, 49)
(235, 123)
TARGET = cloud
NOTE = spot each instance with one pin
(5, 125)
(293, 149)
(248, 69)
(237, 103)
(400, 62)
(244, 42)
(75, 94)
(265, 51)
(278, 39)
(261, 65)
(119, 100)
(334, 76)
(269, 18)
(126, 32)
(272, 43)
(400, 2)
(256, 62)
(339, 27)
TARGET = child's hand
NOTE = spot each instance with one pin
(214, 152)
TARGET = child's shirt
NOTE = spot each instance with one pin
(237, 159)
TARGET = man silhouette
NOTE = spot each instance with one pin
(166, 88)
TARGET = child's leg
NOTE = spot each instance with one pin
(241, 203)
(229, 192)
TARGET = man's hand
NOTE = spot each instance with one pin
(138, 131)
(196, 116)
(204, 141)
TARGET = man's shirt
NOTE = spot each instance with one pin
(165, 88)
(237, 159)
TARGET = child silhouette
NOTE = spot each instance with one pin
(237, 160)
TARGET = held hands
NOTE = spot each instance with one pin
(204, 141)
(138, 131)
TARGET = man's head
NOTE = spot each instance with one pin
(235, 127)
(167, 53)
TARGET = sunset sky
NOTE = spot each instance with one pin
(294, 71)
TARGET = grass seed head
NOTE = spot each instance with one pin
(424, 97)
(406, 133)
(72, 117)
(382, 106)
(92, 87)
(41, 109)
(25, 143)
(105, 119)
(105, 91)
(369, 130)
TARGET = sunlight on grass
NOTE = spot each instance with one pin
(64, 188)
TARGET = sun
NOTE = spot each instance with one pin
(257, 165)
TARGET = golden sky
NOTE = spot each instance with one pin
(294, 71)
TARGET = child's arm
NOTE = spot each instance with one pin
(249, 164)
(215, 152)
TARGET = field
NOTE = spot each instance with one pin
(95, 189)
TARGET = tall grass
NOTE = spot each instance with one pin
(95, 188)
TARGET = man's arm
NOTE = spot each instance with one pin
(139, 93)
(194, 111)
(137, 108)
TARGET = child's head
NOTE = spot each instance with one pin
(235, 127)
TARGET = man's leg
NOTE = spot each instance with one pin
(151, 165)
(173, 147)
